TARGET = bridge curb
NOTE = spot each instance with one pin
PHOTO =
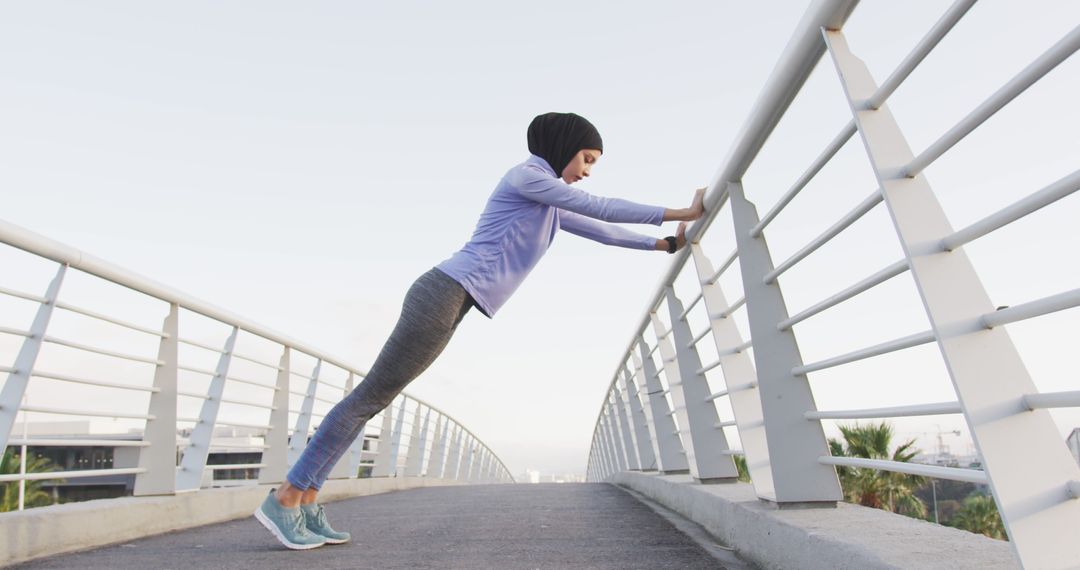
(848, 536)
(72, 527)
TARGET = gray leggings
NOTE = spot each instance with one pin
(433, 307)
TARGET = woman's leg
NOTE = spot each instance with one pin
(433, 307)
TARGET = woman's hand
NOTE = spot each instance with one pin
(680, 236)
(697, 206)
(695, 211)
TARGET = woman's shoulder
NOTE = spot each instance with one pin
(532, 170)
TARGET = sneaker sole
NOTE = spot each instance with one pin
(335, 540)
(270, 526)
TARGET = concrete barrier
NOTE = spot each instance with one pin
(57, 529)
(845, 537)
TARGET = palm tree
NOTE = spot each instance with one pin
(873, 488)
(744, 471)
(33, 496)
(979, 514)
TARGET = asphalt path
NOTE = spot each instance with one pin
(583, 525)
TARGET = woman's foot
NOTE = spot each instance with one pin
(287, 525)
(315, 519)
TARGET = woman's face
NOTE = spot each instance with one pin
(580, 165)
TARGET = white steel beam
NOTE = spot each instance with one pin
(276, 455)
(704, 443)
(300, 433)
(382, 467)
(19, 378)
(193, 462)
(158, 458)
(395, 438)
(794, 443)
(438, 450)
(1028, 476)
(414, 462)
(641, 429)
(453, 456)
(739, 378)
(625, 429)
(670, 458)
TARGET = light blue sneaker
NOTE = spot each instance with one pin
(287, 525)
(315, 519)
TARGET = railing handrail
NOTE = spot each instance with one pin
(74, 258)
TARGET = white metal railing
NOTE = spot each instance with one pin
(663, 415)
(245, 390)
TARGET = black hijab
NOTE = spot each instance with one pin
(557, 137)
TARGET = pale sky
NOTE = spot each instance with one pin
(302, 164)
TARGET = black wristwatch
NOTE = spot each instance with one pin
(672, 244)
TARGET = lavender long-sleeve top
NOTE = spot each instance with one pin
(520, 221)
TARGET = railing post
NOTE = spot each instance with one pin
(613, 438)
(356, 451)
(453, 459)
(193, 463)
(159, 456)
(706, 445)
(739, 377)
(303, 421)
(276, 454)
(670, 456)
(395, 443)
(17, 381)
(601, 465)
(627, 433)
(591, 465)
(477, 470)
(417, 444)
(383, 455)
(606, 465)
(795, 443)
(645, 452)
(491, 471)
(610, 466)
(1029, 476)
(438, 450)
(467, 458)
(348, 467)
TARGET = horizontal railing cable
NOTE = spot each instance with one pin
(856, 289)
(70, 474)
(1050, 59)
(850, 218)
(922, 49)
(1013, 212)
(826, 155)
(876, 350)
(1037, 308)
(936, 409)
(90, 382)
(88, 413)
(1052, 400)
(108, 319)
(21, 295)
(919, 469)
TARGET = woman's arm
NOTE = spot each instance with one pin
(680, 239)
(695, 211)
(541, 187)
(610, 234)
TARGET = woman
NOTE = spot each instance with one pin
(529, 206)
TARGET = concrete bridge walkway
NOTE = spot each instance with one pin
(587, 525)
